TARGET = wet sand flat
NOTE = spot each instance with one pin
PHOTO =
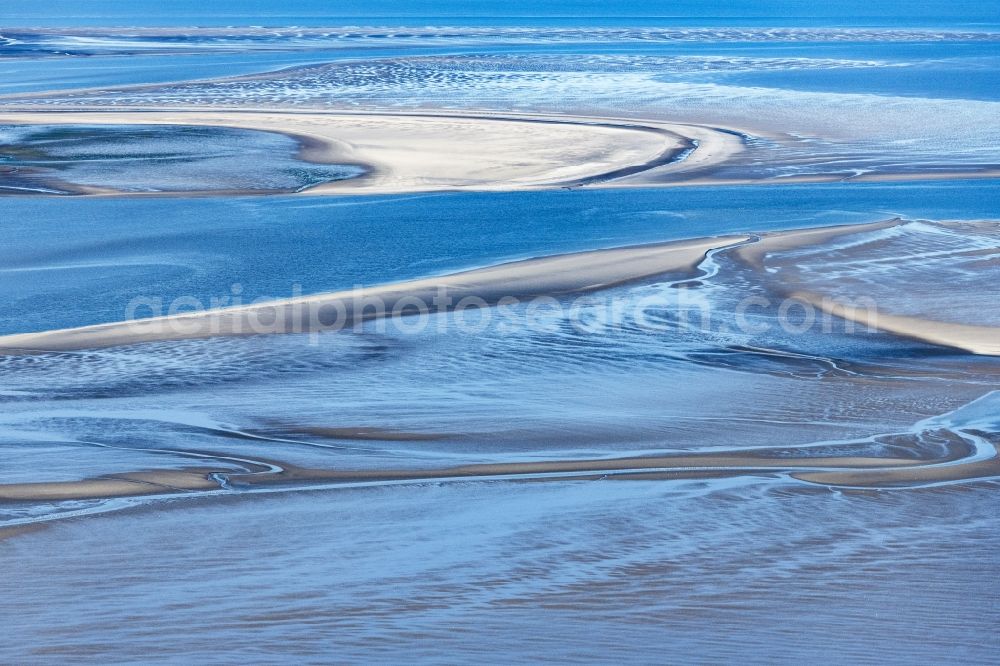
(966, 456)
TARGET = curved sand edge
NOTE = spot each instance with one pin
(504, 285)
(959, 461)
(754, 254)
(981, 340)
(974, 339)
(546, 276)
(421, 152)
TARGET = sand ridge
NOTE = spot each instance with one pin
(971, 338)
(579, 272)
(421, 152)
(959, 461)
(508, 283)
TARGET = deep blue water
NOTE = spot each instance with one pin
(119, 249)
(938, 13)
(962, 70)
(33, 75)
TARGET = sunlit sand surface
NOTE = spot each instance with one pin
(417, 153)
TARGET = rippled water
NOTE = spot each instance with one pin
(53, 159)
(648, 570)
(412, 568)
(203, 247)
(815, 101)
(666, 483)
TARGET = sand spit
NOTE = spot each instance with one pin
(690, 178)
(960, 461)
(755, 254)
(547, 276)
(917, 476)
(507, 284)
(982, 340)
(974, 339)
(133, 484)
(422, 152)
(431, 151)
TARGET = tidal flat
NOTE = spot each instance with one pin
(441, 338)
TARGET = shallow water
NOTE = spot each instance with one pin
(388, 569)
(695, 491)
(642, 570)
(184, 13)
(57, 159)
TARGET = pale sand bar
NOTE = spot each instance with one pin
(955, 463)
(547, 276)
(505, 284)
(423, 152)
(982, 340)
(433, 151)
(975, 339)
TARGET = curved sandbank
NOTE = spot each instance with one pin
(971, 338)
(507, 284)
(982, 340)
(497, 285)
(416, 152)
(755, 254)
(967, 456)
(438, 150)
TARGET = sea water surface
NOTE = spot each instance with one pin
(82, 261)
(832, 103)
(934, 13)
(467, 566)
(62, 159)
(647, 566)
